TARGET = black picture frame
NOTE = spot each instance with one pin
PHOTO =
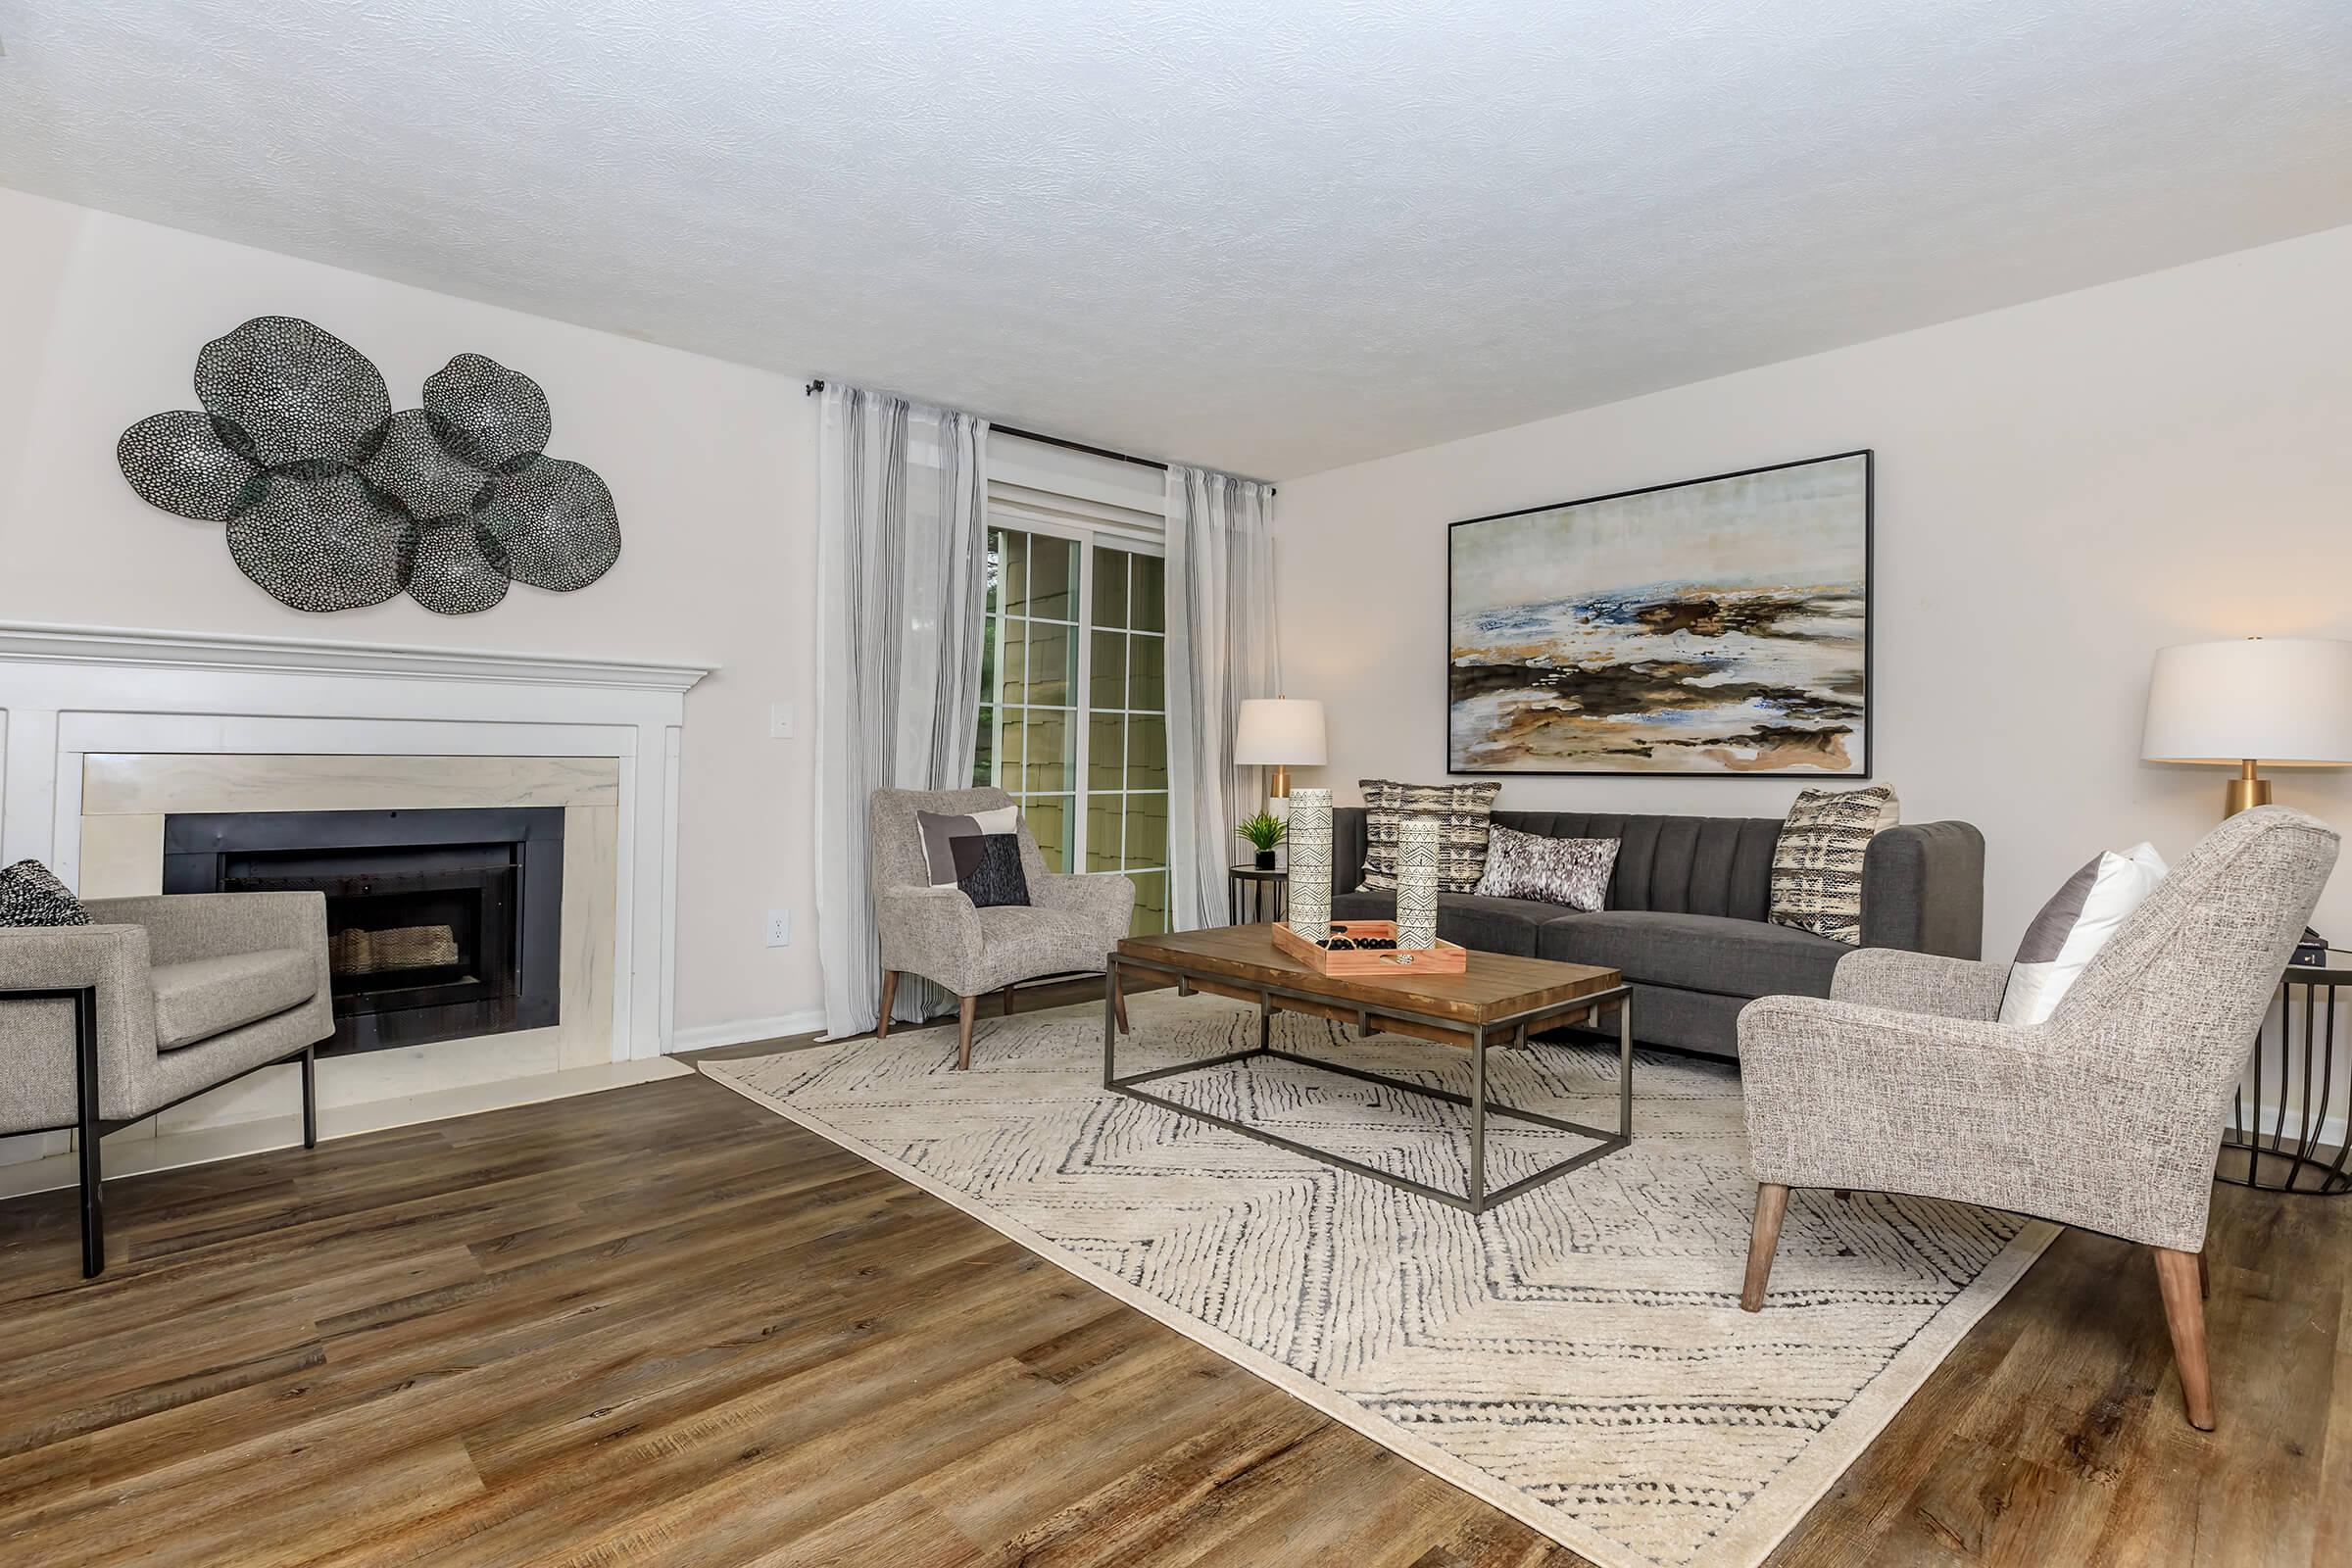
(1868, 456)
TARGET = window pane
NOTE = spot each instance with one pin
(1015, 548)
(991, 631)
(1053, 573)
(1008, 751)
(1102, 832)
(1107, 682)
(1052, 665)
(1107, 753)
(1146, 674)
(1047, 769)
(1051, 822)
(984, 759)
(1110, 587)
(1150, 904)
(1148, 830)
(1146, 600)
(993, 566)
(1146, 753)
(1014, 660)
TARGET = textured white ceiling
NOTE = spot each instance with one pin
(1271, 237)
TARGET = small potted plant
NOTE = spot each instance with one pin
(1264, 831)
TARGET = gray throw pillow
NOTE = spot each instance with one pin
(31, 894)
(1572, 873)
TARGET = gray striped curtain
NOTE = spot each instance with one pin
(902, 568)
(1221, 650)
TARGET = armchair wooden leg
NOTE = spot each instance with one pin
(889, 995)
(963, 1033)
(1118, 1001)
(1008, 1001)
(2184, 1315)
(1772, 1204)
(310, 1097)
(2204, 1278)
(88, 1133)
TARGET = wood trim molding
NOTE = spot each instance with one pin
(22, 642)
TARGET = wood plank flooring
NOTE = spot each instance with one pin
(661, 1326)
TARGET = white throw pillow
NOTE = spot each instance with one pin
(2078, 921)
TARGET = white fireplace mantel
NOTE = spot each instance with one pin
(71, 692)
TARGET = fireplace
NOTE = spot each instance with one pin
(441, 924)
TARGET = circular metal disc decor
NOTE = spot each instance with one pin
(333, 502)
(558, 524)
(459, 570)
(322, 544)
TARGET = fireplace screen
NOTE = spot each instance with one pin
(440, 924)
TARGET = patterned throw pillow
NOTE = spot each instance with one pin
(988, 869)
(1460, 812)
(938, 832)
(30, 896)
(1574, 872)
(1817, 866)
(2073, 926)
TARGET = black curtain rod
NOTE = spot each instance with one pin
(815, 387)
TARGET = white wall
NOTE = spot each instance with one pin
(712, 466)
(2063, 488)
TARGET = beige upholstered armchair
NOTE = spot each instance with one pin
(1069, 925)
(2107, 1116)
(157, 1000)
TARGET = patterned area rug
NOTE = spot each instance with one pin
(1576, 1356)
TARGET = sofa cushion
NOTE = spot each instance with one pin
(1483, 924)
(206, 996)
(1696, 952)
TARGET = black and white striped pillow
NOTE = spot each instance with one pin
(1460, 812)
(1817, 865)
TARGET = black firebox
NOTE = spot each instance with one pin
(440, 925)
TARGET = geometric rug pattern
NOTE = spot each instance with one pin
(1575, 1356)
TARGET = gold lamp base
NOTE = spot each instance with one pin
(2245, 792)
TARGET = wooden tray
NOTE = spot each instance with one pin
(1446, 958)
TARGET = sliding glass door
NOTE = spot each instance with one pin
(1073, 715)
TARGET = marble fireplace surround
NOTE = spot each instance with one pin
(105, 732)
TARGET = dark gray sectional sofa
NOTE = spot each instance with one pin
(1686, 918)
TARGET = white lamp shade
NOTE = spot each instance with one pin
(1280, 730)
(2272, 698)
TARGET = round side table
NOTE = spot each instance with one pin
(1265, 887)
(2268, 1144)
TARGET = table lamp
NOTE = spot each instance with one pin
(1279, 732)
(2284, 701)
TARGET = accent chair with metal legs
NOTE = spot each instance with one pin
(2107, 1116)
(1068, 927)
(156, 1001)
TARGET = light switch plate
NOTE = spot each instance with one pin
(780, 718)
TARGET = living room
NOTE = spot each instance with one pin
(609, 627)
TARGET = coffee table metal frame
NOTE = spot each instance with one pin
(1507, 1029)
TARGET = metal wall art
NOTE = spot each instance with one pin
(332, 501)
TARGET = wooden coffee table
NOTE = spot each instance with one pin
(1497, 1002)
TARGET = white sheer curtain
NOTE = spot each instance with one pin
(1221, 650)
(901, 568)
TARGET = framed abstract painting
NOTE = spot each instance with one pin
(1715, 627)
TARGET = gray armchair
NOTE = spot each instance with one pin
(157, 1000)
(2107, 1116)
(1070, 924)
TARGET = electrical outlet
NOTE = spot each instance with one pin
(780, 721)
(779, 928)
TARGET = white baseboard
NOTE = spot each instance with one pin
(744, 1031)
(199, 1146)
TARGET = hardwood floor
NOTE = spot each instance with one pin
(661, 1326)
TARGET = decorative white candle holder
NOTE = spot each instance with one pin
(1416, 883)
(1311, 865)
